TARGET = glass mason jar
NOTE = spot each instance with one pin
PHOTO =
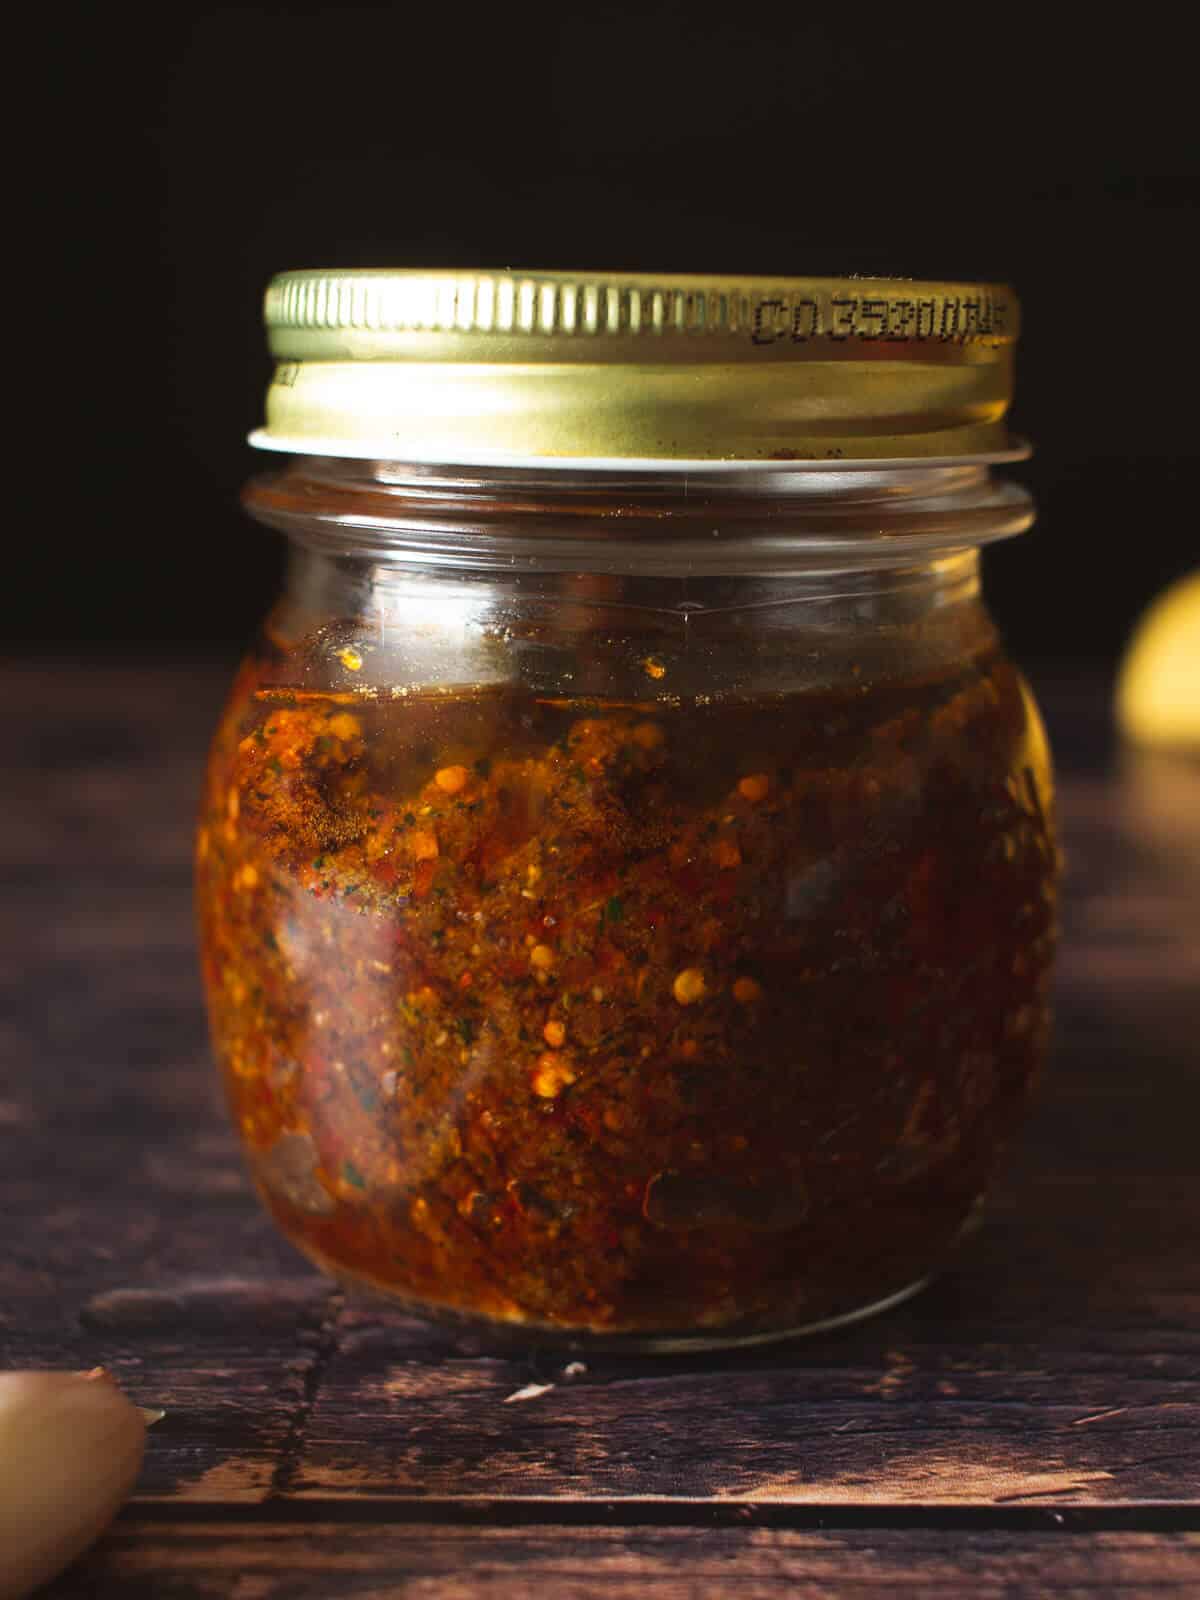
(627, 869)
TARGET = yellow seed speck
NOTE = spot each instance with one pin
(597, 994)
(450, 780)
(552, 1076)
(554, 1033)
(746, 991)
(542, 957)
(232, 805)
(441, 1037)
(754, 788)
(344, 726)
(689, 986)
(249, 876)
(350, 659)
(533, 872)
(653, 667)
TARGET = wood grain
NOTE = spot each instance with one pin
(377, 1563)
(1056, 1366)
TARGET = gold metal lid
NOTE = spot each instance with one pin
(623, 368)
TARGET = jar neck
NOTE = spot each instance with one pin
(796, 519)
(607, 634)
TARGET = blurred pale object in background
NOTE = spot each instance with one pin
(1158, 691)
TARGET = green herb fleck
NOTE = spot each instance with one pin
(614, 911)
(352, 1175)
(467, 1029)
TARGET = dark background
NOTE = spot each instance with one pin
(217, 145)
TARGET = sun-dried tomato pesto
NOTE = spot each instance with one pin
(629, 1017)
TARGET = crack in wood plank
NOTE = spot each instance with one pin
(325, 1349)
(582, 1511)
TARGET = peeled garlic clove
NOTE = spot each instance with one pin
(70, 1449)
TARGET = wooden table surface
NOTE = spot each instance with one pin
(1027, 1424)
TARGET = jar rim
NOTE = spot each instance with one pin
(1013, 449)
